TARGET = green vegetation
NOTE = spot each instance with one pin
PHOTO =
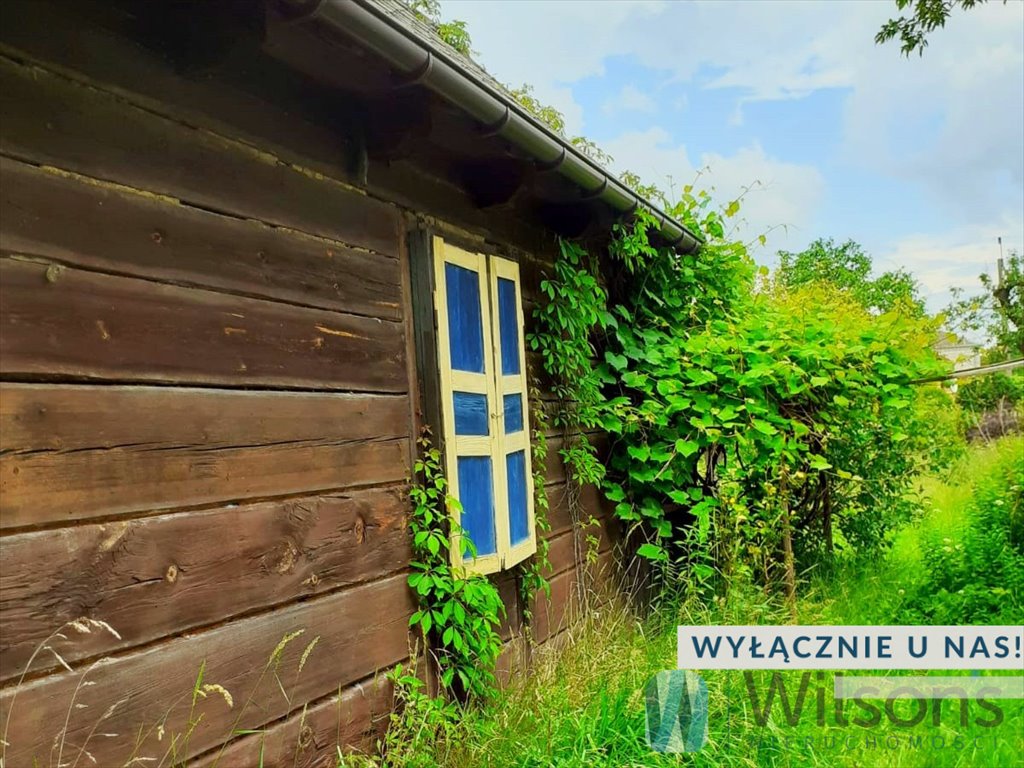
(998, 312)
(972, 569)
(925, 16)
(991, 405)
(757, 424)
(582, 705)
(986, 393)
(847, 267)
(454, 32)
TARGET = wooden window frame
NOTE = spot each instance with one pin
(492, 383)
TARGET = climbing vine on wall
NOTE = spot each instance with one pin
(572, 308)
(532, 579)
(747, 420)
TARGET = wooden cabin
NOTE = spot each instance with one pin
(249, 250)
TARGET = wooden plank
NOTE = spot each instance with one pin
(76, 417)
(65, 218)
(360, 630)
(252, 96)
(75, 452)
(38, 490)
(354, 720)
(93, 41)
(560, 517)
(554, 466)
(50, 120)
(555, 613)
(508, 591)
(563, 549)
(59, 321)
(158, 576)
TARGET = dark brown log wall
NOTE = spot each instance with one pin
(206, 419)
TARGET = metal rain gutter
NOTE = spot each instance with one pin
(428, 65)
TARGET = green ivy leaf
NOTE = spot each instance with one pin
(639, 452)
(819, 462)
(618, 362)
(652, 552)
(686, 447)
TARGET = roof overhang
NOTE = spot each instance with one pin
(418, 59)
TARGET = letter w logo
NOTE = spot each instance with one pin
(677, 711)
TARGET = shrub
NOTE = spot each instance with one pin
(985, 393)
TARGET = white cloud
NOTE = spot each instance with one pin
(953, 258)
(550, 43)
(630, 99)
(780, 198)
(767, 50)
(951, 121)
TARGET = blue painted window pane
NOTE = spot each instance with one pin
(465, 325)
(518, 524)
(509, 318)
(513, 414)
(476, 493)
(470, 414)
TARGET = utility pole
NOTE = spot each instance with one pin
(999, 264)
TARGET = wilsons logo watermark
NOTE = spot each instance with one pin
(865, 702)
(677, 700)
(677, 711)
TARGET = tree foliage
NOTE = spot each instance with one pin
(998, 312)
(846, 267)
(924, 17)
(986, 393)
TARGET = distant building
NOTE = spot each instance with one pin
(963, 354)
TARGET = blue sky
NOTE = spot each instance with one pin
(919, 160)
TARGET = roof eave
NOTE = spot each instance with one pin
(428, 64)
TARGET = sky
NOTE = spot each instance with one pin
(920, 160)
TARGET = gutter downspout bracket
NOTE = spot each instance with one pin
(554, 165)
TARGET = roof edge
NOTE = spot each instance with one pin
(428, 64)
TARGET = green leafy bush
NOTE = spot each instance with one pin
(741, 409)
(942, 442)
